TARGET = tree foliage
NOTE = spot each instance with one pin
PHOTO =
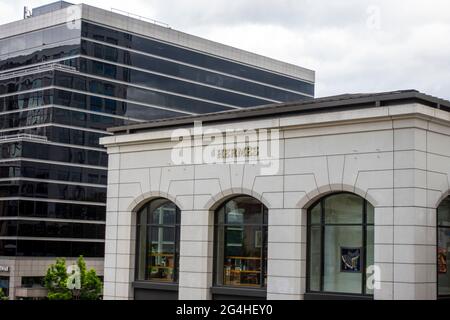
(57, 282)
(3, 296)
(91, 285)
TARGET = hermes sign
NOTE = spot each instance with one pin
(238, 153)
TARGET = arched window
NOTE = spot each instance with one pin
(443, 247)
(158, 238)
(340, 245)
(241, 243)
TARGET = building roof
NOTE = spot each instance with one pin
(46, 8)
(326, 104)
(142, 26)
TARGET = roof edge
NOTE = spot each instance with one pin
(344, 101)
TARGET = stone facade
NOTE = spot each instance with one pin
(397, 157)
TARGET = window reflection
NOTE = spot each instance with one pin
(172, 68)
(53, 153)
(35, 248)
(26, 82)
(139, 95)
(241, 243)
(27, 100)
(39, 38)
(195, 58)
(10, 208)
(46, 229)
(158, 229)
(51, 191)
(443, 254)
(150, 81)
(340, 241)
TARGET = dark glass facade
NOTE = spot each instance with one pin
(61, 88)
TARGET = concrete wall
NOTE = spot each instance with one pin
(398, 158)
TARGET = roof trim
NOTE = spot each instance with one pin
(339, 102)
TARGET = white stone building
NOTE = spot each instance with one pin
(359, 182)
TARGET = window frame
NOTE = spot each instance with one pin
(440, 296)
(364, 226)
(7, 280)
(176, 226)
(235, 290)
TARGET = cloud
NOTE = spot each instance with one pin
(353, 45)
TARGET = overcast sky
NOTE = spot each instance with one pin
(353, 45)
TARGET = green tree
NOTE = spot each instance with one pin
(3, 296)
(91, 285)
(57, 282)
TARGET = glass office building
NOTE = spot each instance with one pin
(67, 73)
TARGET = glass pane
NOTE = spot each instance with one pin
(142, 253)
(4, 285)
(315, 259)
(343, 209)
(220, 245)
(443, 213)
(370, 249)
(166, 213)
(243, 210)
(370, 214)
(161, 259)
(443, 257)
(242, 260)
(315, 215)
(343, 263)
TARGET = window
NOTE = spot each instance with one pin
(153, 81)
(4, 285)
(241, 243)
(35, 248)
(340, 244)
(199, 59)
(185, 72)
(32, 282)
(158, 235)
(146, 96)
(52, 191)
(443, 247)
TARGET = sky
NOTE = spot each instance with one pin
(353, 45)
